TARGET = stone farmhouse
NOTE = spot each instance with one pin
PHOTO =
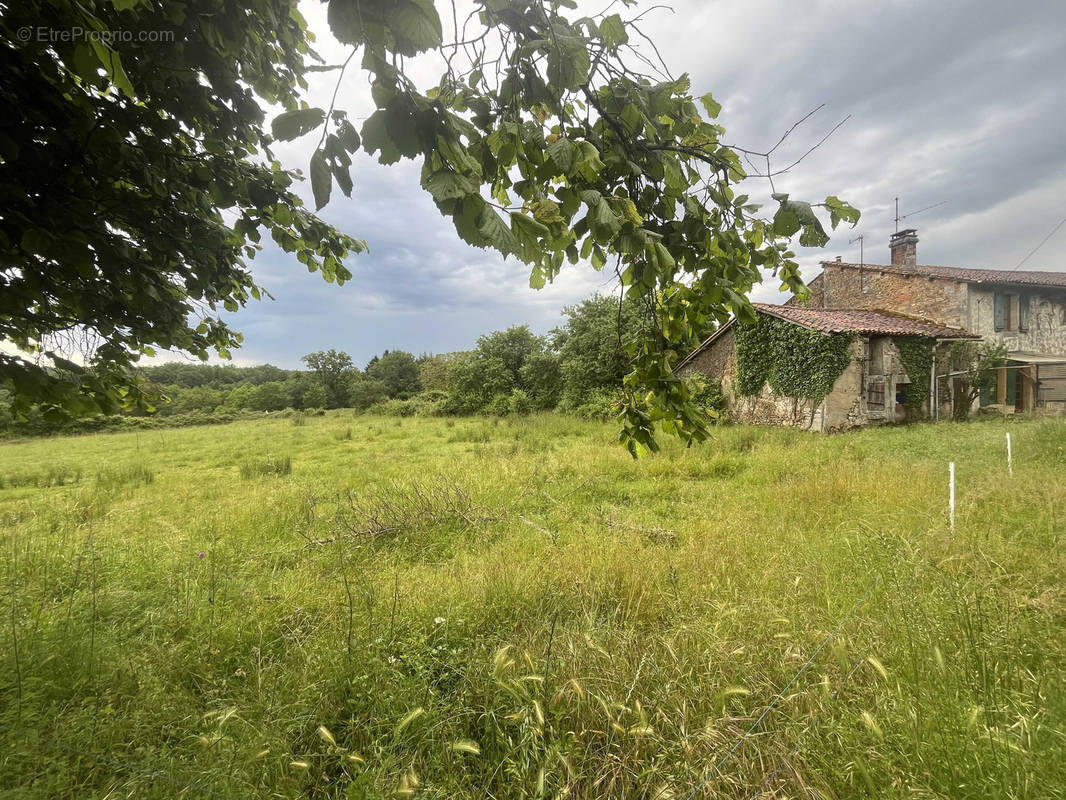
(884, 310)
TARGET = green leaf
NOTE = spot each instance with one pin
(495, 230)
(814, 234)
(415, 26)
(840, 211)
(786, 223)
(547, 211)
(321, 179)
(568, 62)
(293, 124)
(712, 106)
(376, 138)
(112, 63)
(343, 178)
(536, 278)
(447, 185)
(349, 136)
(36, 241)
(345, 18)
(588, 161)
(86, 63)
(527, 229)
(659, 257)
(603, 222)
(613, 31)
(561, 152)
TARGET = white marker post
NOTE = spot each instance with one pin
(951, 494)
(1010, 458)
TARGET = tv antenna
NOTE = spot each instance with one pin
(858, 239)
(914, 213)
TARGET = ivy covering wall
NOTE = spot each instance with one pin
(916, 353)
(795, 361)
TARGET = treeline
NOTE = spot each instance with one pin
(578, 367)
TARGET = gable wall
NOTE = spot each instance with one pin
(843, 408)
(942, 301)
(712, 361)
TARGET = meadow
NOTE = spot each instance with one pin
(357, 607)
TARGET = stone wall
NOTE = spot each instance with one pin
(712, 361)
(848, 286)
(843, 408)
(949, 302)
(1047, 320)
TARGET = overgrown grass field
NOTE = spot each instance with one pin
(364, 607)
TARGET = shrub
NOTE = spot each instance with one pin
(520, 403)
(475, 381)
(499, 406)
(419, 406)
(709, 396)
(365, 392)
(599, 405)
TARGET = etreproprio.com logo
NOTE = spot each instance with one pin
(47, 35)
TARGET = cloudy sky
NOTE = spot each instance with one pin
(962, 102)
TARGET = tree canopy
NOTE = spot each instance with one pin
(335, 370)
(398, 372)
(138, 179)
(549, 137)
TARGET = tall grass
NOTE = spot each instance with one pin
(266, 465)
(455, 608)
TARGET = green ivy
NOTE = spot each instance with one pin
(795, 361)
(916, 353)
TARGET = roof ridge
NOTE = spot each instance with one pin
(916, 267)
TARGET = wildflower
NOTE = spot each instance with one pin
(439, 621)
(201, 554)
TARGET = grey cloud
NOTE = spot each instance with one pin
(958, 101)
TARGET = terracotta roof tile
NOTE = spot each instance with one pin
(1000, 276)
(844, 320)
(849, 320)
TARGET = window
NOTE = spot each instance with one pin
(1023, 312)
(1002, 312)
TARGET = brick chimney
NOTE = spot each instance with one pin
(904, 247)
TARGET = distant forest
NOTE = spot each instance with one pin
(578, 367)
